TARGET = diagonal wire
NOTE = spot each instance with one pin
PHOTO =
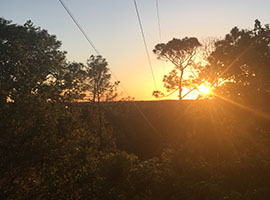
(121, 85)
(158, 19)
(159, 29)
(144, 41)
(136, 106)
(80, 27)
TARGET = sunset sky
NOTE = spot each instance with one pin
(113, 27)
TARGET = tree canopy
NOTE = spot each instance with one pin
(32, 65)
(181, 53)
(98, 79)
(239, 65)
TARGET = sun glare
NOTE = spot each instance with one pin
(205, 89)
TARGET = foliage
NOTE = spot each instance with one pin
(181, 53)
(99, 80)
(32, 66)
(51, 147)
(214, 150)
(46, 151)
(239, 66)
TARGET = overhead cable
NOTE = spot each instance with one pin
(95, 49)
(145, 44)
(158, 19)
(79, 26)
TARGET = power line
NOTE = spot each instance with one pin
(158, 18)
(114, 76)
(144, 41)
(87, 38)
(159, 29)
(79, 26)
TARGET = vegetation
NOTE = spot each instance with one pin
(53, 147)
(181, 53)
(98, 77)
(239, 66)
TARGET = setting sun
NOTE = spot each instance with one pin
(205, 89)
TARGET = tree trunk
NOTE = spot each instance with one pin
(180, 85)
(100, 124)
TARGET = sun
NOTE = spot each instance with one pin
(205, 89)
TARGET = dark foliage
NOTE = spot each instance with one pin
(52, 147)
(239, 65)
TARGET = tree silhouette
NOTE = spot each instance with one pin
(98, 79)
(99, 88)
(33, 66)
(181, 53)
(239, 65)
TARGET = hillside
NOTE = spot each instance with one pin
(147, 127)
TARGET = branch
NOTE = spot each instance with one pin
(172, 60)
(189, 92)
(161, 93)
(189, 59)
(170, 93)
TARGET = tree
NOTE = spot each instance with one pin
(33, 66)
(100, 87)
(181, 53)
(239, 65)
(40, 128)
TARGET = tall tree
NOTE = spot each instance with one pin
(40, 130)
(181, 53)
(32, 65)
(239, 65)
(100, 86)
